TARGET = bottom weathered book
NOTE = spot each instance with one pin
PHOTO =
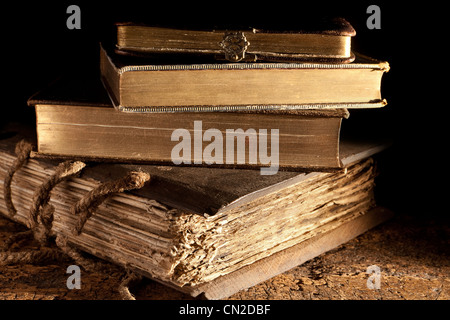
(199, 230)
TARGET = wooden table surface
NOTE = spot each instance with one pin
(411, 252)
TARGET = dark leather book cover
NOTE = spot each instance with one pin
(83, 89)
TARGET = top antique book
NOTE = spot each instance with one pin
(323, 41)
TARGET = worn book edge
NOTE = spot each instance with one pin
(289, 258)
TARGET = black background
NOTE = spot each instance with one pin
(37, 47)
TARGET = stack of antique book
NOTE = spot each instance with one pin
(238, 133)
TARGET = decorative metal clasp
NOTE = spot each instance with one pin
(234, 45)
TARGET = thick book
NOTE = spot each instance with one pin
(75, 119)
(137, 85)
(329, 41)
(203, 230)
